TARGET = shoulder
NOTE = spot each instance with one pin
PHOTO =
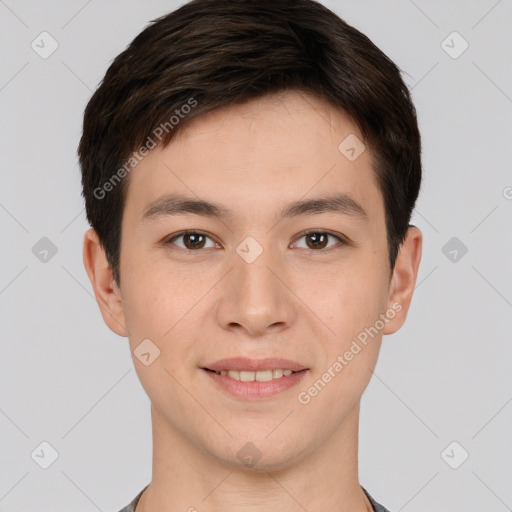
(131, 507)
(377, 507)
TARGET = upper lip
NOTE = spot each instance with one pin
(247, 364)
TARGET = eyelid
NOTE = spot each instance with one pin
(339, 237)
(169, 239)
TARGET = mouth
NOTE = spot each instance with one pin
(251, 379)
(255, 376)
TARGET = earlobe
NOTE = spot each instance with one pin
(403, 279)
(108, 295)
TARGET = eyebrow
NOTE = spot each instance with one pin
(176, 204)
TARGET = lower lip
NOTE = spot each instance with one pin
(256, 390)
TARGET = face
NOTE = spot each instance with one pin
(254, 276)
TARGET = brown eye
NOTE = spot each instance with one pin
(192, 240)
(319, 240)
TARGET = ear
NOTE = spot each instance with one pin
(403, 279)
(106, 291)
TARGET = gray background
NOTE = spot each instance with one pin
(444, 377)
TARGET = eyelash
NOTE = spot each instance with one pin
(341, 240)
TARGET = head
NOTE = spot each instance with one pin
(251, 106)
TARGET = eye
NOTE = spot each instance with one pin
(318, 240)
(196, 240)
(193, 240)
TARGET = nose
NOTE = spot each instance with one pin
(255, 297)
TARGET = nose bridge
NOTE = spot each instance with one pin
(256, 286)
(255, 298)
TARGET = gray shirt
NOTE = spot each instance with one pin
(375, 505)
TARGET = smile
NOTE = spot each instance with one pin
(254, 385)
(259, 376)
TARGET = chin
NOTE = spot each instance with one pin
(261, 454)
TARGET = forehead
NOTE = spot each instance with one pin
(259, 155)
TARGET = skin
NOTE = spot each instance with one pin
(294, 301)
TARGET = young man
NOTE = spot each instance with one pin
(249, 169)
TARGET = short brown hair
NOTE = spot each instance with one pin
(216, 53)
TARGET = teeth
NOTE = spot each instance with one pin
(261, 376)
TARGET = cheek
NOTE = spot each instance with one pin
(152, 292)
(163, 305)
(351, 308)
(347, 299)
(162, 313)
(156, 309)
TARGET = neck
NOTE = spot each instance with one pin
(186, 478)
